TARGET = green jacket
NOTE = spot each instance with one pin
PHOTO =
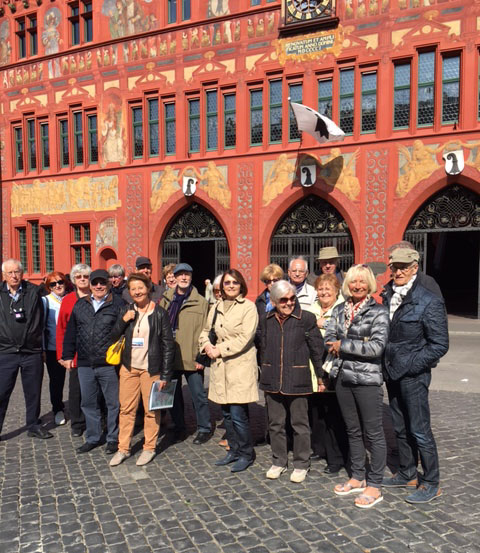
(191, 321)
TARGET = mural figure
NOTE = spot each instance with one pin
(112, 139)
(51, 40)
(127, 17)
(205, 36)
(164, 185)
(419, 165)
(107, 234)
(227, 32)
(5, 46)
(278, 178)
(270, 22)
(216, 8)
(341, 175)
(213, 182)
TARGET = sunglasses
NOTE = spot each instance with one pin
(57, 283)
(85, 277)
(231, 283)
(284, 301)
(99, 283)
(270, 280)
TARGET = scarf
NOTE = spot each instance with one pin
(176, 305)
(351, 310)
(269, 305)
(399, 293)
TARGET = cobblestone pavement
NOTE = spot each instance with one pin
(53, 500)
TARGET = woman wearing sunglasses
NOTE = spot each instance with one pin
(233, 374)
(289, 338)
(357, 335)
(55, 283)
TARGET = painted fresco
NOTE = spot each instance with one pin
(129, 17)
(5, 45)
(216, 8)
(107, 234)
(279, 175)
(164, 184)
(51, 39)
(416, 162)
(65, 196)
(338, 171)
(113, 147)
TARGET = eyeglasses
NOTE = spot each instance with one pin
(84, 277)
(270, 280)
(99, 283)
(13, 273)
(231, 283)
(284, 301)
(57, 283)
(402, 268)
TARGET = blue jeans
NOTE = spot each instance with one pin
(199, 398)
(411, 420)
(91, 380)
(237, 428)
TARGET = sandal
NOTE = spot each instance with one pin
(370, 500)
(348, 487)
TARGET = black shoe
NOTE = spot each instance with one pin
(202, 438)
(229, 458)
(178, 436)
(241, 464)
(111, 448)
(77, 433)
(86, 447)
(332, 469)
(39, 433)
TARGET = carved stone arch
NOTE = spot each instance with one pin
(311, 224)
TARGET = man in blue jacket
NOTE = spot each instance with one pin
(418, 339)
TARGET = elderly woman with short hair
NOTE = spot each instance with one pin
(289, 338)
(271, 274)
(357, 335)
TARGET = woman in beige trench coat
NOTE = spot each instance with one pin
(233, 372)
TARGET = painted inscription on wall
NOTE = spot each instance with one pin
(64, 196)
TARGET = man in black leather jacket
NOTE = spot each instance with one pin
(418, 339)
(21, 331)
(88, 334)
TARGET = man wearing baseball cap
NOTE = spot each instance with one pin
(144, 265)
(329, 259)
(88, 335)
(418, 339)
(188, 311)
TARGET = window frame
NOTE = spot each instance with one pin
(322, 99)
(256, 109)
(191, 118)
(178, 11)
(34, 244)
(211, 116)
(168, 120)
(80, 21)
(292, 121)
(346, 95)
(400, 88)
(275, 106)
(135, 124)
(83, 245)
(365, 95)
(426, 84)
(227, 113)
(458, 80)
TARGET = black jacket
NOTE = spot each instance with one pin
(161, 347)
(31, 301)
(285, 351)
(418, 332)
(88, 333)
(361, 349)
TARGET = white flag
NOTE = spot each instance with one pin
(320, 127)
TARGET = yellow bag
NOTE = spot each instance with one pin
(114, 352)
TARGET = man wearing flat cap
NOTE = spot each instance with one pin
(88, 335)
(418, 339)
(188, 312)
(144, 265)
(329, 259)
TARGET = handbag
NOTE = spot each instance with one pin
(202, 358)
(114, 352)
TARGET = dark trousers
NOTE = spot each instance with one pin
(237, 429)
(93, 379)
(362, 409)
(329, 435)
(199, 398)
(77, 418)
(31, 370)
(279, 406)
(411, 421)
(56, 375)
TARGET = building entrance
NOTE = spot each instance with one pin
(197, 238)
(446, 231)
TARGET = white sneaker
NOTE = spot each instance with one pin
(60, 418)
(145, 457)
(298, 475)
(118, 458)
(275, 472)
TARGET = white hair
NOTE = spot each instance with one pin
(79, 268)
(280, 288)
(298, 258)
(17, 262)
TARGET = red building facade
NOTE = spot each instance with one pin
(163, 129)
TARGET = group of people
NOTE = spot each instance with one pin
(320, 349)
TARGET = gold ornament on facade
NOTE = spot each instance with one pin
(213, 181)
(338, 171)
(419, 162)
(50, 197)
(280, 175)
(164, 184)
(310, 47)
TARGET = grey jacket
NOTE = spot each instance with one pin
(360, 360)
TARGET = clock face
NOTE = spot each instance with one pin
(304, 10)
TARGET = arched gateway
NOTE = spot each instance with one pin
(446, 230)
(197, 238)
(310, 225)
